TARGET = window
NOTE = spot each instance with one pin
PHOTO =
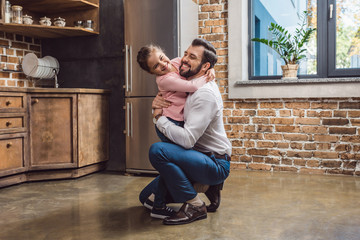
(334, 49)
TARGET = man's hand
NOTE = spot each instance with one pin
(210, 74)
(160, 102)
(157, 112)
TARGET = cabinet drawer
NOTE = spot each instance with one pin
(11, 122)
(11, 153)
(7, 102)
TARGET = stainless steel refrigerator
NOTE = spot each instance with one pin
(171, 24)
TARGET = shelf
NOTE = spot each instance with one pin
(54, 6)
(39, 31)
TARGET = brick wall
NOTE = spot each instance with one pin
(318, 136)
(11, 58)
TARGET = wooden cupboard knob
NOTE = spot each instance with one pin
(8, 124)
(9, 145)
(8, 103)
(35, 101)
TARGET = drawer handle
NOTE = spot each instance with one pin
(8, 124)
(8, 103)
(9, 145)
(35, 101)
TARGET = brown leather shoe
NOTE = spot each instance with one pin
(187, 214)
(213, 194)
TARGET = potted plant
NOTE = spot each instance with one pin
(291, 48)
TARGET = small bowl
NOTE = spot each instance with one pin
(45, 21)
(27, 20)
(59, 22)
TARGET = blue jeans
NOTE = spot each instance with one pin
(179, 167)
(162, 137)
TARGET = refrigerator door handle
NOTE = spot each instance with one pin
(126, 68)
(128, 119)
(131, 120)
(130, 70)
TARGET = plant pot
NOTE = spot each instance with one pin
(290, 71)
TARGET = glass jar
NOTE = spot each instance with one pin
(17, 14)
(7, 12)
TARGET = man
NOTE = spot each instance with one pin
(202, 151)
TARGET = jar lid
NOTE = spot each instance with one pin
(45, 18)
(17, 8)
(59, 19)
(27, 16)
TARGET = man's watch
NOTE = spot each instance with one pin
(156, 118)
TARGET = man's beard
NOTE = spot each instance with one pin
(190, 72)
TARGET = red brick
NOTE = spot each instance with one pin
(299, 113)
(285, 113)
(253, 136)
(249, 112)
(296, 137)
(353, 139)
(235, 166)
(299, 154)
(266, 113)
(276, 153)
(273, 136)
(249, 144)
(272, 160)
(326, 155)
(347, 156)
(2, 83)
(201, 2)
(331, 164)
(312, 163)
(203, 16)
(257, 159)
(228, 104)
(261, 144)
(282, 145)
(260, 120)
(233, 134)
(294, 129)
(257, 166)
(271, 105)
(237, 127)
(11, 83)
(204, 30)
(295, 145)
(323, 146)
(285, 169)
(312, 171)
(211, 8)
(286, 161)
(349, 105)
(350, 164)
(299, 162)
(343, 148)
(237, 112)
(316, 105)
(340, 130)
(249, 128)
(251, 105)
(326, 138)
(355, 122)
(354, 114)
(215, 37)
(340, 114)
(265, 128)
(240, 151)
(309, 146)
(307, 121)
(282, 121)
(261, 152)
(242, 120)
(314, 129)
(335, 121)
(245, 159)
(236, 143)
(298, 105)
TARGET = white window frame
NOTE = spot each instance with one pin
(241, 87)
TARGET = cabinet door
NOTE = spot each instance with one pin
(93, 128)
(12, 153)
(53, 131)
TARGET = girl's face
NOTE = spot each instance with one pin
(159, 63)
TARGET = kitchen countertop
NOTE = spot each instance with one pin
(54, 90)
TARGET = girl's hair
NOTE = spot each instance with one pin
(144, 54)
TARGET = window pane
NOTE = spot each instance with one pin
(347, 34)
(287, 13)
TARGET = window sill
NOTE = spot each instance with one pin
(300, 88)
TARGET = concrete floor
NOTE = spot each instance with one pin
(255, 205)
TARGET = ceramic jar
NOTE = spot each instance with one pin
(45, 21)
(17, 14)
(27, 20)
(59, 22)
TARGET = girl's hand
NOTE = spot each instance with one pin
(210, 74)
(160, 102)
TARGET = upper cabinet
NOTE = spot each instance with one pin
(70, 10)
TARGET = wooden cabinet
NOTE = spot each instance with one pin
(52, 133)
(70, 10)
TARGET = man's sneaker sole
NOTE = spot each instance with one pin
(147, 205)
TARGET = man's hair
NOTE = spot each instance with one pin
(209, 51)
(144, 54)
